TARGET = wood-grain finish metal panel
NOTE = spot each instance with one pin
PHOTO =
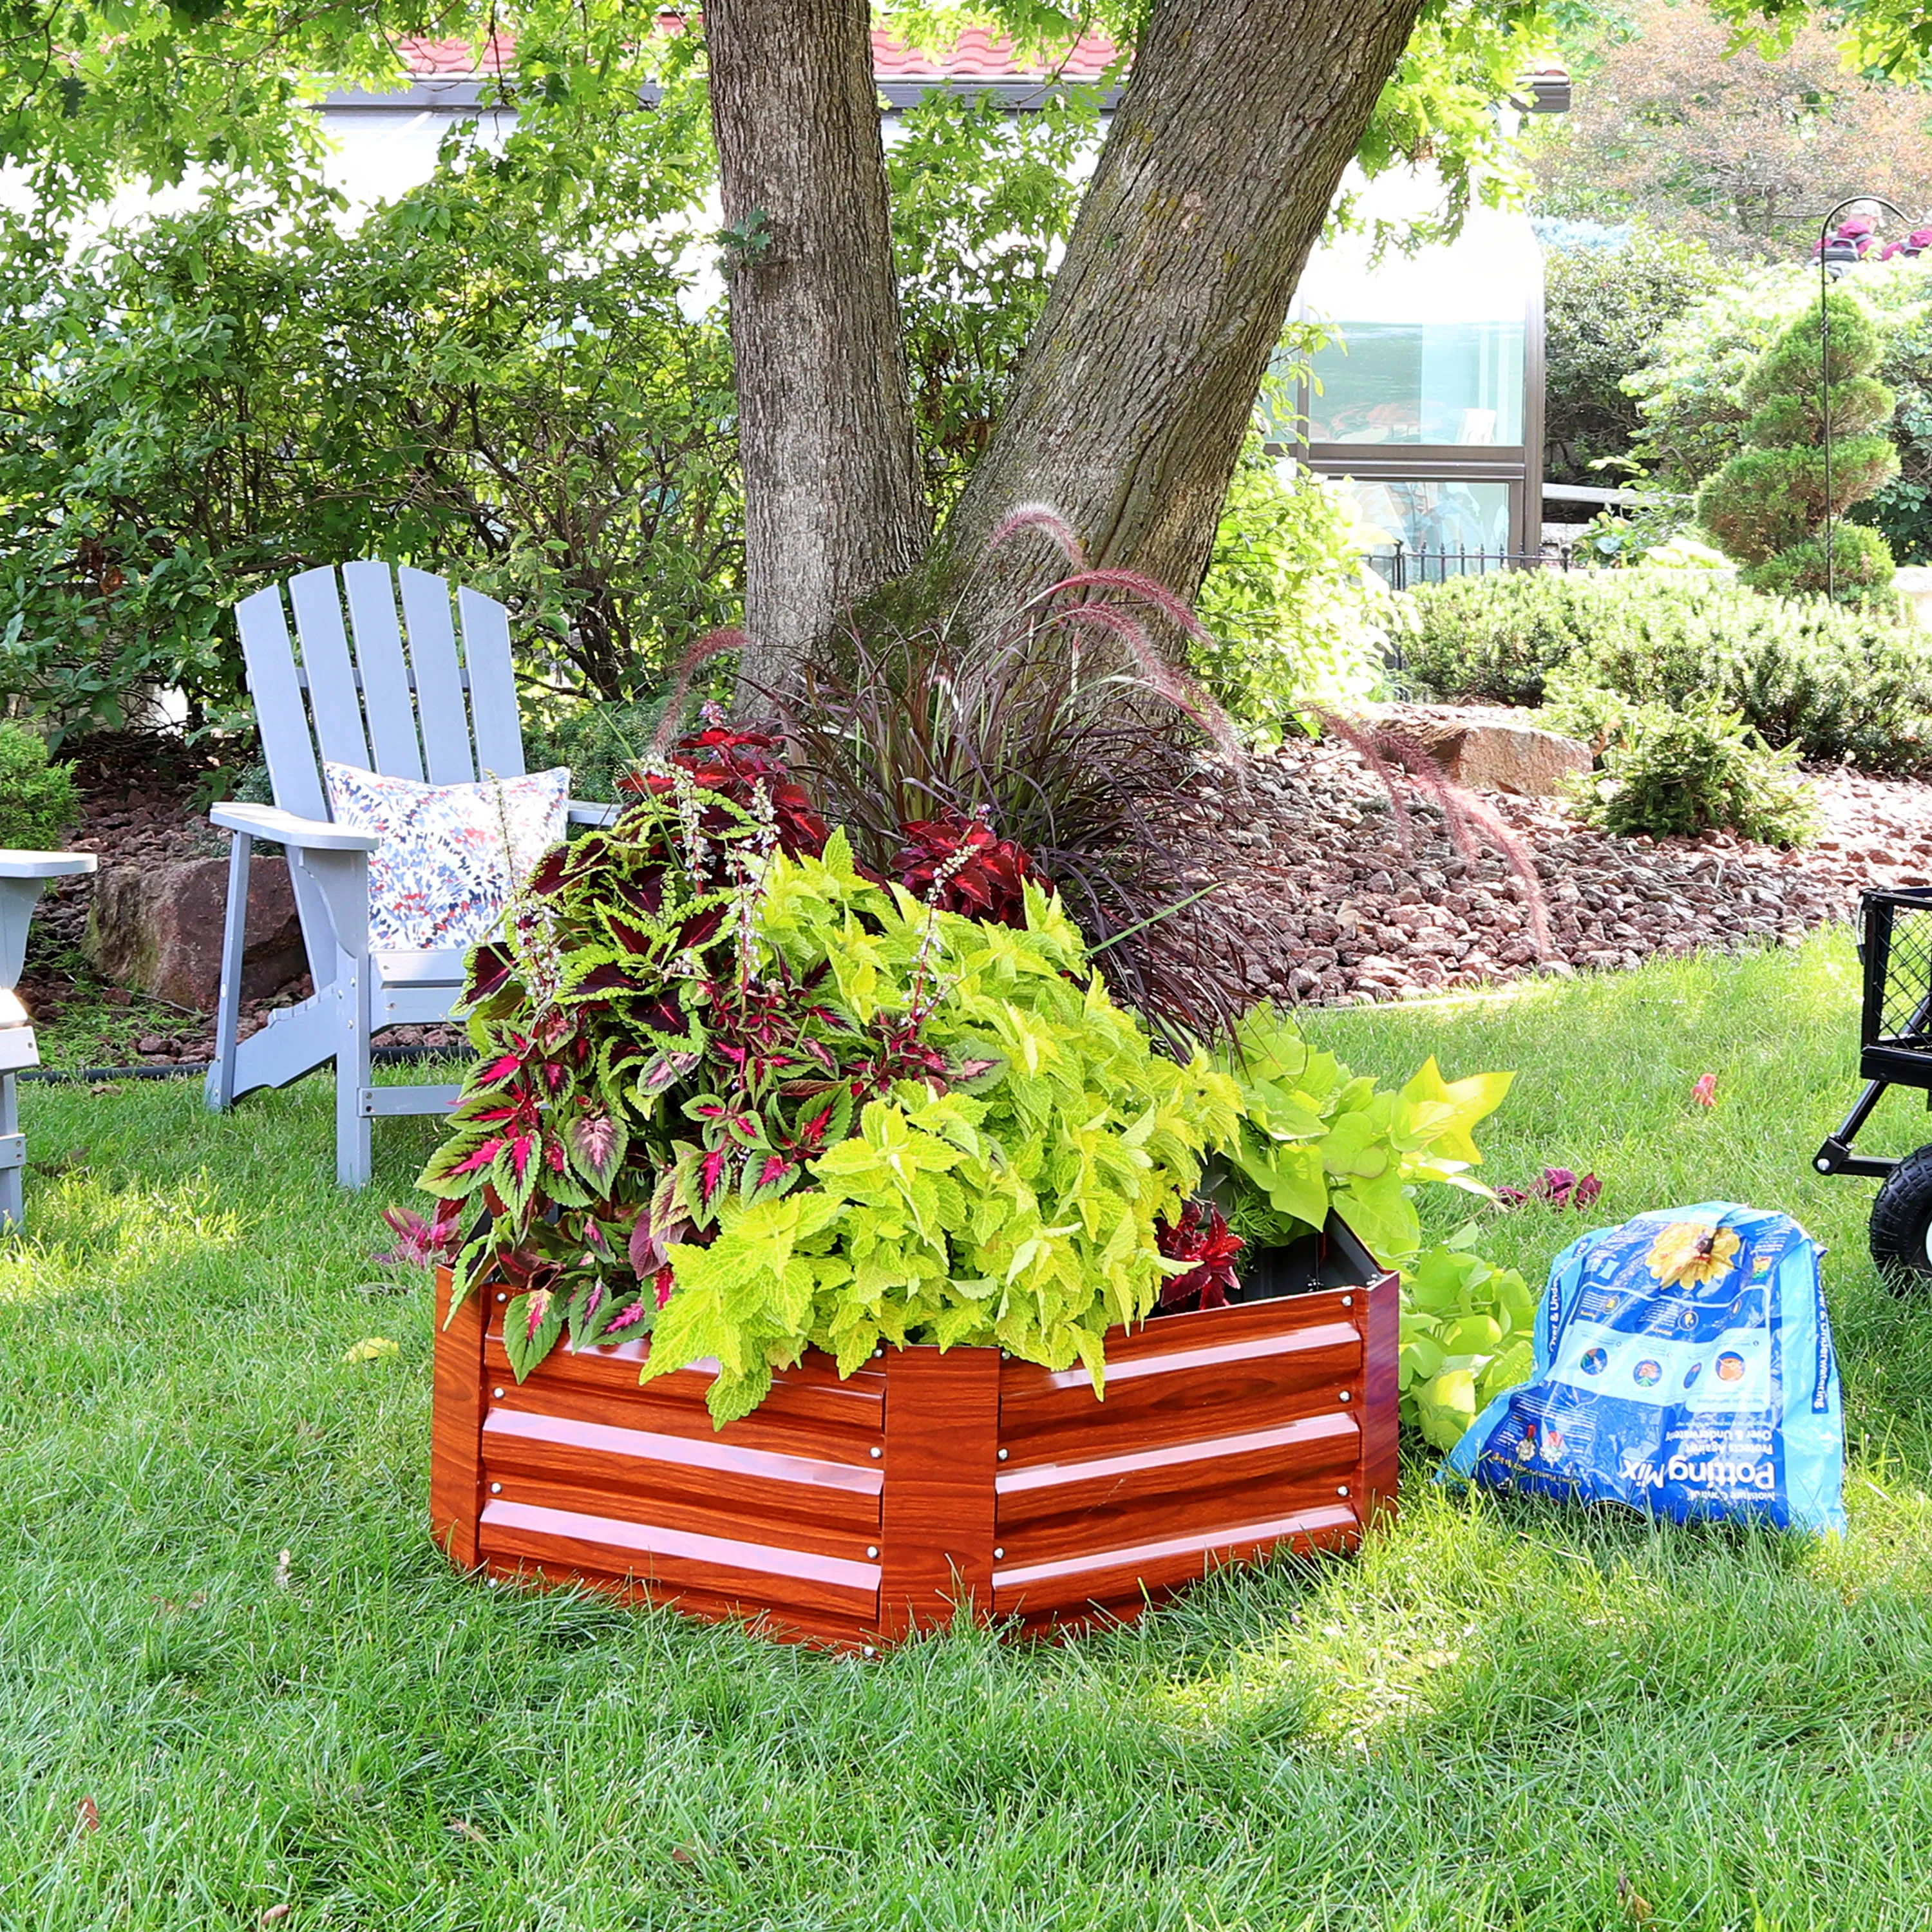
(808, 1412)
(850, 1634)
(1074, 1581)
(1155, 1400)
(1382, 1400)
(942, 1426)
(753, 1574)
(568, 1464)
(456, 1427)
(1073, 1509)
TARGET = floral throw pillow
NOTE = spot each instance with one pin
(450, 854)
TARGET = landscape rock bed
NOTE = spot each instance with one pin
(1332, 912)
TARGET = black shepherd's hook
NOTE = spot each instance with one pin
(1825, 369)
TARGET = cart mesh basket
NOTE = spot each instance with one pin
(1896, 948)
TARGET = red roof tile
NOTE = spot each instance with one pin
(975, 55)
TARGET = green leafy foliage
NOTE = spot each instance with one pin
(1836, 684)
(1467, 1334)
(38, 800)
(1296, 619)
(982, 200)
(1689, 389)
(1696, 767)
(756, 1101)
(1313, 1138)
(489, 377)
(1768, 505)
(1603, 308)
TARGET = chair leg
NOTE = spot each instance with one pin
(13, 1191)
(220, 1088)
(354, 1155)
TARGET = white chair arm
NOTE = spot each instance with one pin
(583, 812)
(45, 865)
(284, 828)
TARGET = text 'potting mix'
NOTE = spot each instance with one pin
(1683, 1366)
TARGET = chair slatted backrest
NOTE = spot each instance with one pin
(390, 693)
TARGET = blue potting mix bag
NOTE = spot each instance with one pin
(1683, 1366)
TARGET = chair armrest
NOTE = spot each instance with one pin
(284, 828)
(45, 865)
(583, 811)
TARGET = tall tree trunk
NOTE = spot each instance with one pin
(834, 503)
(1131, 401)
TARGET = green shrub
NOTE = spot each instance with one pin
(1296, 616)
(1768, 506)
(1602, 309)
(1834, 683)
(38, 803)
(1696, 768)
(597, 741)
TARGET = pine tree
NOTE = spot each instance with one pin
(1767, 506)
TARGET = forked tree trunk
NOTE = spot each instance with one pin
(1130, 403)
(834, 505)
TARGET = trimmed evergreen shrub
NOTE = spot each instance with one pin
(1768, 504)
(1834, 683)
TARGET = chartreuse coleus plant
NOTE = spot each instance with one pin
(734, 1093)
(1466, 1336)
(1313, 1137)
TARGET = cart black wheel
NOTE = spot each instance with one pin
(1901, 1224)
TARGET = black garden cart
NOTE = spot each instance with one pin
(1894, 1050)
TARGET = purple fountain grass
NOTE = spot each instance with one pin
(1360, 740)
(1045, 518)
(712, 644)
(1467, 819)
(1159, 673)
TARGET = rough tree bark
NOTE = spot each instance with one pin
(834, 505)
(1131, 401)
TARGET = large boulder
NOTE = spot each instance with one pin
(1488, 747)
(157, 929)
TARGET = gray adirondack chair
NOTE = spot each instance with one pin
(392, 696)
(24, 876)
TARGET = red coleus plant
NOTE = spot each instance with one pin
(421, 1244)
(734, 765)
(1202, 1238)
(961, 864)
(1559, 1187)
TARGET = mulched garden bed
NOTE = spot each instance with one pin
(1331, 911)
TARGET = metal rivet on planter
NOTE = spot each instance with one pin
(869, 1652)
(503, 1297)
(496, 1489)
(497, 1393)
(871, 1550)
(494, 1581)
(1343, 1489)
(1003, 1455)
(997, 1554)
(1343, 1397)
(875, 1453)
(1348, 1301)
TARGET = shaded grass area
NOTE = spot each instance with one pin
(1496, 1714)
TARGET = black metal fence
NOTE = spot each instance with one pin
(1402, 568)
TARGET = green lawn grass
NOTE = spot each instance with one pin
(1483, 1723)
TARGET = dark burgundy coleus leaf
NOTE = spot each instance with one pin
(1202, 1236)
(961, 864)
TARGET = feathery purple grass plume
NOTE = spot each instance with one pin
(1049, 521)
(1361, 741)
(1467, 818)
(1158, 671)
(712, 644)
